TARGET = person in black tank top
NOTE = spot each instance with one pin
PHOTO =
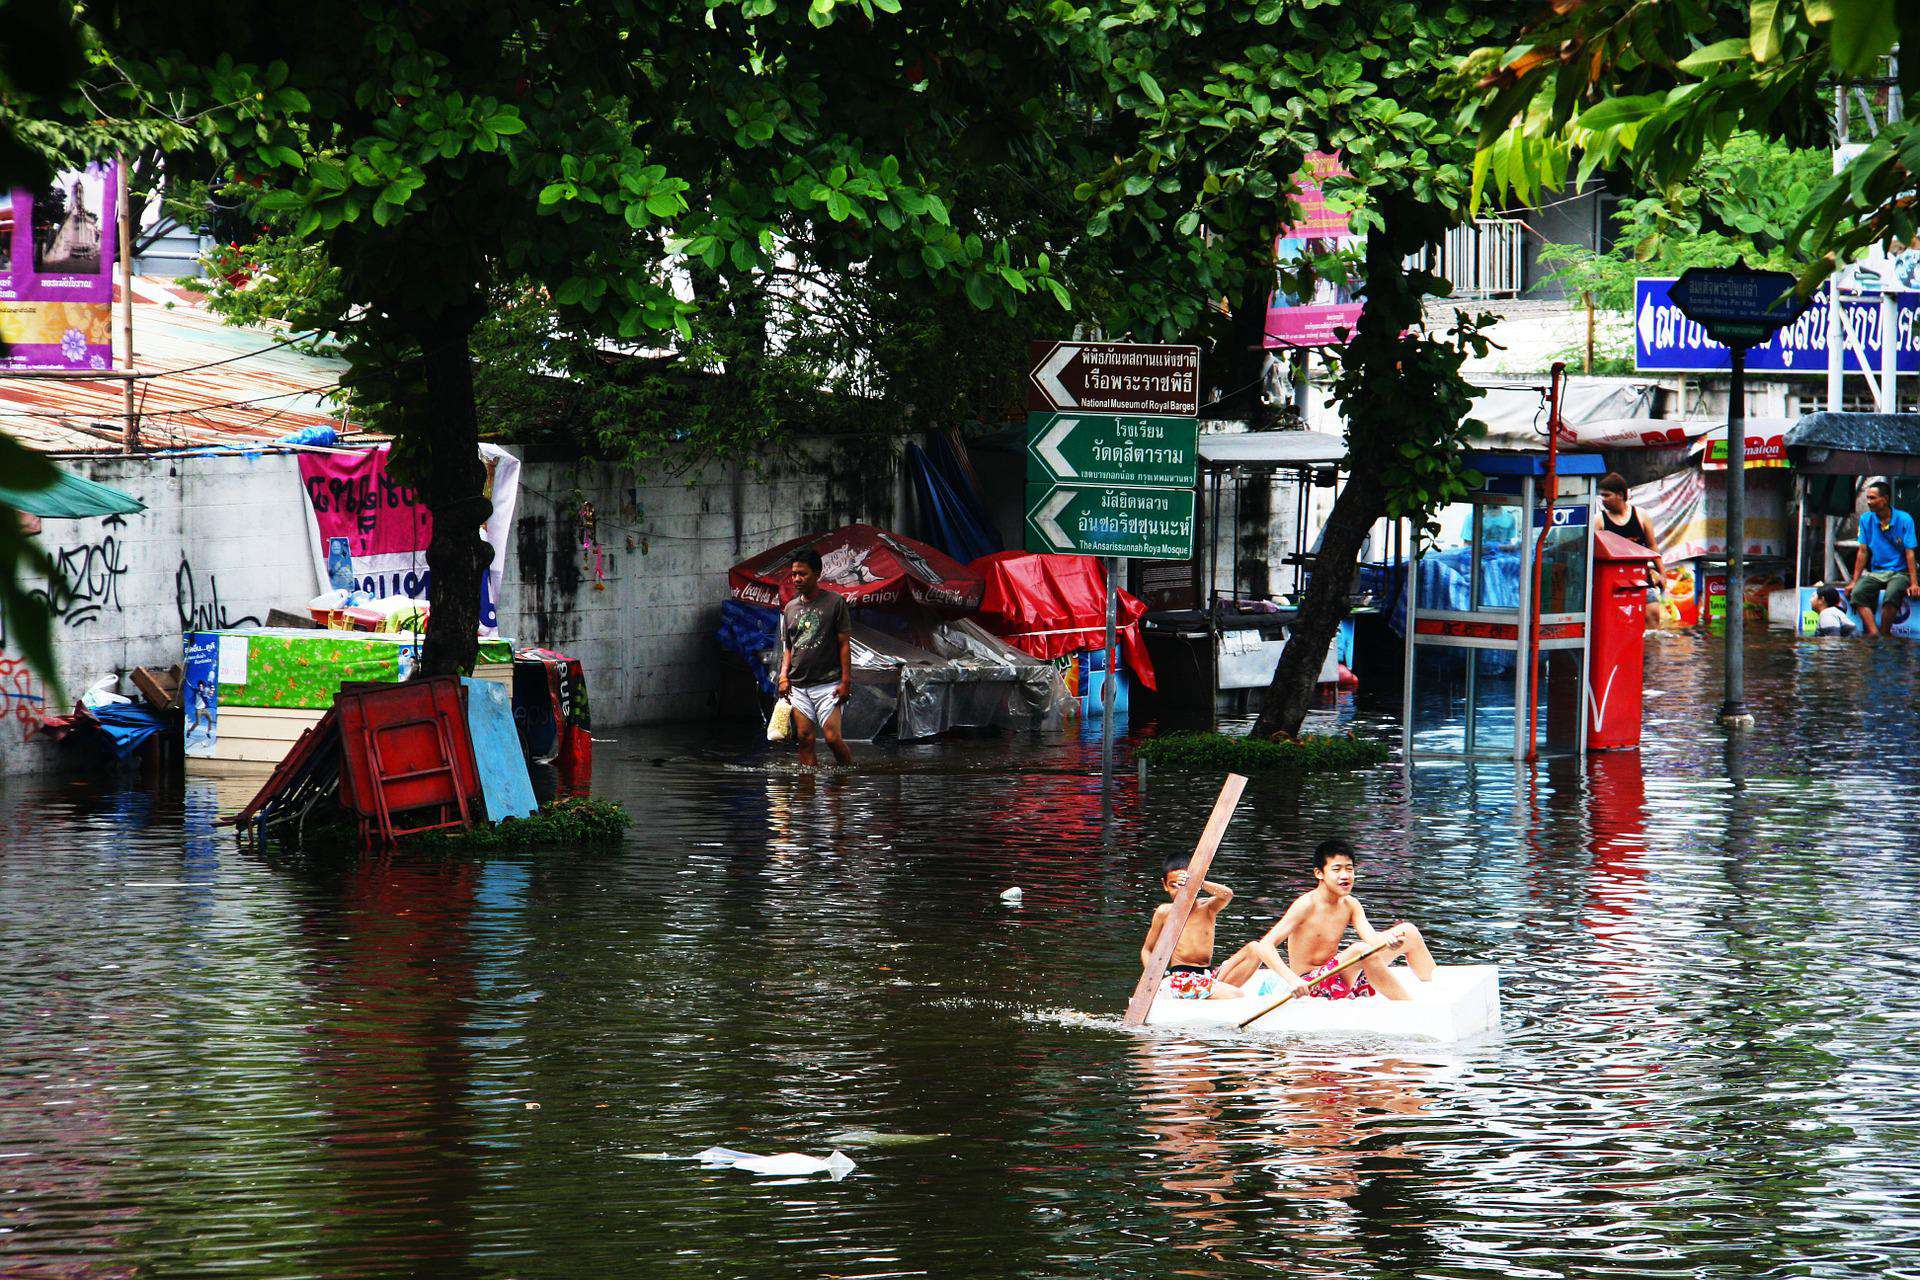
(1617, 515)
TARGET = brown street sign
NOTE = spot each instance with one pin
(1115, 377)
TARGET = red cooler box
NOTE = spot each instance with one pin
(1621, 570)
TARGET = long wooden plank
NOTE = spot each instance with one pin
(1216, 829)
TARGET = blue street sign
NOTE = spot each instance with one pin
(1666, 341)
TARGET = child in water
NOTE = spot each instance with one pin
(1313, 928)
(1190, 974)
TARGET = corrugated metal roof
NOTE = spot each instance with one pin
(217, 384)
(1892, 433)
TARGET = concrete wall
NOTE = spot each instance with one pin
(224, 539)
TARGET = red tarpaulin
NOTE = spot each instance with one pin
(1050, 606)
(869, 566)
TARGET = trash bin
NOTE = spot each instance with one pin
(1621, 574)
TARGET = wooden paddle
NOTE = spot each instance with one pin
(1375, 949)
(1149, 984)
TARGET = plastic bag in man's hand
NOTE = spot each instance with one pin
(780, 723)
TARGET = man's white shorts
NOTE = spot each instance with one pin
(816, 702)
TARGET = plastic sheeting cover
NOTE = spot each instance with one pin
(968, 679)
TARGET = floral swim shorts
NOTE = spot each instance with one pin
(1351, 985)
(1188, 982)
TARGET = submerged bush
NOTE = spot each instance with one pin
(1309, 753)
(576, 822)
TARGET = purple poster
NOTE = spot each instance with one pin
(56, 293)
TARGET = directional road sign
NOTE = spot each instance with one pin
(1095, 449)
(1737, 306)
(1110, 520)
(1114, 377)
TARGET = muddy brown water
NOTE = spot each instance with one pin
(219, 1065)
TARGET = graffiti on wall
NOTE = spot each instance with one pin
(20, 699)
(86, 579)
(203, 613)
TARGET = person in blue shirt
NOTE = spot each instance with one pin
(1883, 569)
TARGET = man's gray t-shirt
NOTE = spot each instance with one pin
(812, 631)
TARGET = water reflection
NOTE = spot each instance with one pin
(222, 1065)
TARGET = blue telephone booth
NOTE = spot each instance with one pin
(1469, 659)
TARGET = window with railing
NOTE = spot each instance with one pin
(1485, 258)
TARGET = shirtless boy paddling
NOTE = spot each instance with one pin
(1313, 928)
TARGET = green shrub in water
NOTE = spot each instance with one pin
(576, 822)
(1218, 752)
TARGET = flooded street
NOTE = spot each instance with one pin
(219, 1065)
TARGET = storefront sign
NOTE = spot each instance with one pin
(1326, 317)
(56, 283)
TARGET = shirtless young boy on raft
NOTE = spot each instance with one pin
(1313, 927)
(1190, 974)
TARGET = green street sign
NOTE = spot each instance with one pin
(1110, 520)
(1071, 448)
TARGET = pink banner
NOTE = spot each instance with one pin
(1319, 320)
(56, 281)
(354, 498)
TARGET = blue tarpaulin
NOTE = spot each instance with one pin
(748, 631)
(127, 725)
(952, 517)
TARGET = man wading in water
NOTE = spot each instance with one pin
(816, 658)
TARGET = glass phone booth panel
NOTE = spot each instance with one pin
(1470, 642)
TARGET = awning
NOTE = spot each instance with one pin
(70, 497)
(1856, 444)
(1272, 449)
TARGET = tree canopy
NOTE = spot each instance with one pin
(1653, 88)
(635, 172)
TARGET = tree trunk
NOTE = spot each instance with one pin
(1361, 502)
(1382, 409)
(451, 481)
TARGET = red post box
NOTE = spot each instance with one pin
(1621, 573)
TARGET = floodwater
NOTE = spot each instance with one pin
(217, 1065)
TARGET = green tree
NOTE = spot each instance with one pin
(622, 158)
(1740, 203)
(1651, 89)
(1211, 109)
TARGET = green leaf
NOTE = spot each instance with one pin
(1763, 24)
(1617, 112)
(1151, 88)
(979, 294)
(506, 123)
(1859, 32)
(1725, 51)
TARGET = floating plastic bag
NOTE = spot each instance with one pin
(780, 723)
(788, 1164)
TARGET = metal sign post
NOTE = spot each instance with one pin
(1739, 308)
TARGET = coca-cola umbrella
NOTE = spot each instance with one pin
(871, 567)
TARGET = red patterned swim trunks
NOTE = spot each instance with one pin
(1188, 982)
(1351, 985)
